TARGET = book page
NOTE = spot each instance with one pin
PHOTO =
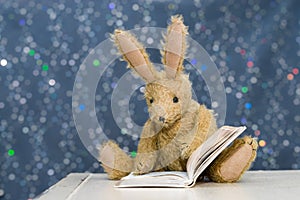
(156, 179)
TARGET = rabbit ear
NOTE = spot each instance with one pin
(175, 46)
(135, 55)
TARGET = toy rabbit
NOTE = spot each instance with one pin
(177, 124)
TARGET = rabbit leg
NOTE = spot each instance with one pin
(233, 161)
(115, 162)
(147, 151)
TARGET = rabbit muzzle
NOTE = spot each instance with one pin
(157, 114)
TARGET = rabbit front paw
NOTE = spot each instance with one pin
(143, 165)
(185, 150)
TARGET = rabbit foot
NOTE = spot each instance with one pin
(233, 161)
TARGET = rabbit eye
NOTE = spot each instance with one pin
(175, 100)
(151, 100)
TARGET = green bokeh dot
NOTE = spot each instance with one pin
(31, 52)
(133, 154)
(45, 67)
(11, 152)
(96, 63)
(244, 89)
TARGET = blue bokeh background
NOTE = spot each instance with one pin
(255, 45)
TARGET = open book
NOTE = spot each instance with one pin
(197, 163)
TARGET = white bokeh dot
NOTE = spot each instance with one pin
(52, 82)
(3, 62)
(50, 172)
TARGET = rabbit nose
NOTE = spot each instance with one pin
(161, 119)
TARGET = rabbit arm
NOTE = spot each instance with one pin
(147, 150)
(204, 125)
(175, 46)
(135, 55)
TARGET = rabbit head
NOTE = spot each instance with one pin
(168, 92)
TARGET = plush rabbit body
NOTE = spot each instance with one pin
(177, 124)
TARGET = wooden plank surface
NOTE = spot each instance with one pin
(65, 187)
(254, 185)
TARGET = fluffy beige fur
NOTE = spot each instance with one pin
(177, 124)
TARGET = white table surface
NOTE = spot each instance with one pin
(283, 185)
